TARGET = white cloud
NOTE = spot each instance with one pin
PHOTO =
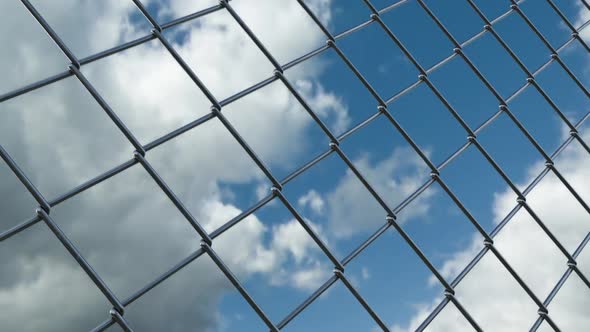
(352, 209)
(54, 280)
(311, 278)
(291, 241)
(292, 238)
(152, 95)
(243, 248)
(490, 294)
(326, 105)
(313, 200)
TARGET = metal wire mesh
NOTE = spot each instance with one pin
(140, 156)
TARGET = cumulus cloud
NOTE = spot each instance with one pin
(352, 209)
(291, 242)
(327, 105)
(125, 227)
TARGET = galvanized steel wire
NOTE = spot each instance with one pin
(141, 155)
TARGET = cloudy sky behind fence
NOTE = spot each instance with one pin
(131, 233)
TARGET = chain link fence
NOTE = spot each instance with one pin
(141, 155)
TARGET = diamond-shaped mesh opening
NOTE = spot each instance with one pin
(540, 117)
(511, 150)
(283, 258)
(548, 21)
(427, 130)
(52, 121)
(216, 65)
(392, 168)
(128, 229)
(453, 229)
(424, 30)
(367, 270)
(339, 204)
(236, 182)
(519, 37)
(249, 112)
(567, 95)
(533, 270)
(379, 60)
(475, 182)
(550, 201)
(465, 92)
(146, 107)
(498, 314)
(496, 65)
(334, 78)
(278, 41)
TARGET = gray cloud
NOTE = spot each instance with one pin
(126, 227)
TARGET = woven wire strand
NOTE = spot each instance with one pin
(141, 155)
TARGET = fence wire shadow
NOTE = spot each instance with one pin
(117, 313)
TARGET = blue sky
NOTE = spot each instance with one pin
(276, 261)
(396, 276)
